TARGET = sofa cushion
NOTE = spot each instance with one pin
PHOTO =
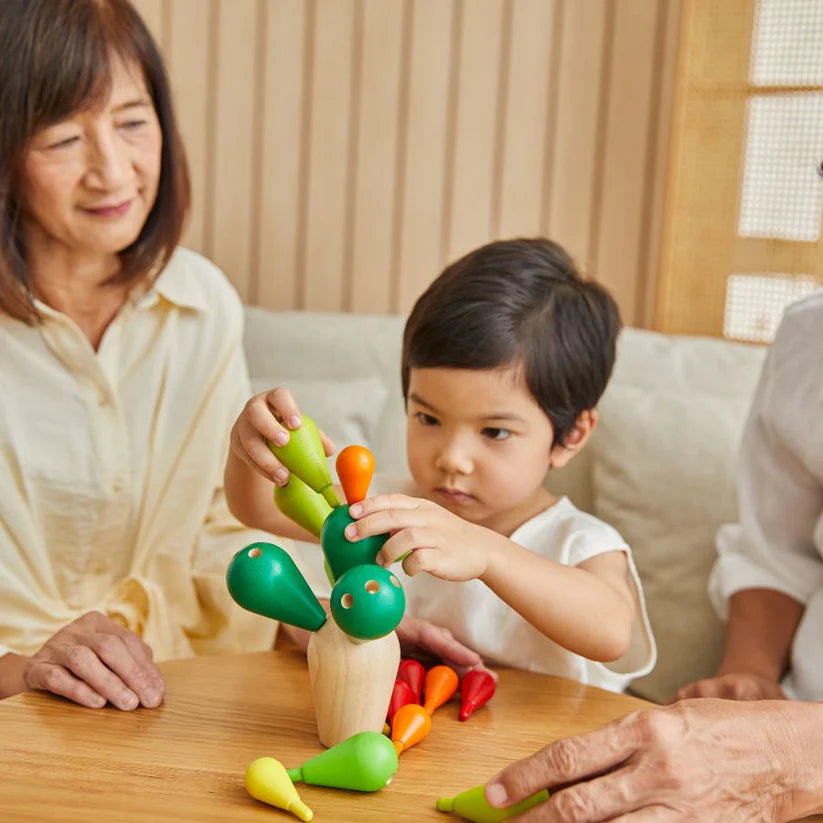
(663, 474)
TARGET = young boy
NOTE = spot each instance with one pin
(505, 357)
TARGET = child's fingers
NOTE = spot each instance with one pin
(381, 522)
(284, 406)
(397, 546)
(384, 502)
(328, 443)
(259, 415)
(255, 453)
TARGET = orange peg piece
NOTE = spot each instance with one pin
(355, 468)
(476, 689)
(413, 672)
(410, 724)
(439, 687)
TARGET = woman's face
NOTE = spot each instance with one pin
(90, 181)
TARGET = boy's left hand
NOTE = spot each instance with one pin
(435, 540)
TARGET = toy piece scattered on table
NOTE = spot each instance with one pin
(401, 695)
(366, 762)
(412, 672)
(439, 687)
(266, 779)
(476, 689)
(302, 504)
(305, 458)
(472, 805)
(410, 724)
(355, 469)
(264, 579)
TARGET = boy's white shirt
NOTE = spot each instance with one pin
(477, 617)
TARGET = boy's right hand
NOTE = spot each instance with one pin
(268, 416)
(93, 661)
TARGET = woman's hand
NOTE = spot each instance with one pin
(259, 421)
(734, 686)
(696, 760)
(435, 540)
(93, 661)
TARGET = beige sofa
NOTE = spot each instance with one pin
(660, 467)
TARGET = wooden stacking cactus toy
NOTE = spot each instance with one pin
(352, 658)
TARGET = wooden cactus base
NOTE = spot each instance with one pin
(351, 682)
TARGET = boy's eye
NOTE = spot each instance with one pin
(494, 433)
(426, 419)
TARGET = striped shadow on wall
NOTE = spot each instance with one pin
(343, 150)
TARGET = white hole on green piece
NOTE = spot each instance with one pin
(372, 586)
(394, 581)
(255, 552)
(347, 601)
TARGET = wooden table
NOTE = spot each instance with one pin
(185, 760)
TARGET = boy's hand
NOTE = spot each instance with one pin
(422, 637)
(733, 686)
(93, 660)
(435, 540)
(259, 421)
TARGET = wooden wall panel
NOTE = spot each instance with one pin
(330, 159)
(475, 112)
(528, 69)
(283, 156)
(372, 211)
(626, 151)
(343, 151)
(573, 190)
(421, 239)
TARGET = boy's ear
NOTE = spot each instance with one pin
(574, 441)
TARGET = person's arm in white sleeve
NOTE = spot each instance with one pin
(768, 565)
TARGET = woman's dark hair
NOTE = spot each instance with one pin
(519, 302)
(55, 60)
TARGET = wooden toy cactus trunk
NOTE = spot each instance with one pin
(353, 657)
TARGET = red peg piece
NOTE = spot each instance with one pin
(412, 672)
(401, 695)
(476, 689)
(410, 725)
(439, 687)
(355, 468)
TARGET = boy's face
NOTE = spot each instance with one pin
(478, 444)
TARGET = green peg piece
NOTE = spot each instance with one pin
(263, 579)
(305, 457)
(367, 602)
(302, 504)
(472, 805)
(342, 553)
(366, 762)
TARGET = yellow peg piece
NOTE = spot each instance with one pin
(267, 780)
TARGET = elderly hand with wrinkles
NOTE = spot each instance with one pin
(707, 760)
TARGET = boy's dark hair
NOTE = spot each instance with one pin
(519, 302)
(55, 60)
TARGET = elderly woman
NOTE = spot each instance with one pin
(123, 371)
(121, 366)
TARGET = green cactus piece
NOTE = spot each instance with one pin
(341, 553)
(367, 602)
(302, 504)
(472, 805)
(263, 579)
(366, 762)
(304, 457)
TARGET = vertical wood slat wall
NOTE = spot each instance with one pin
(342, 151)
